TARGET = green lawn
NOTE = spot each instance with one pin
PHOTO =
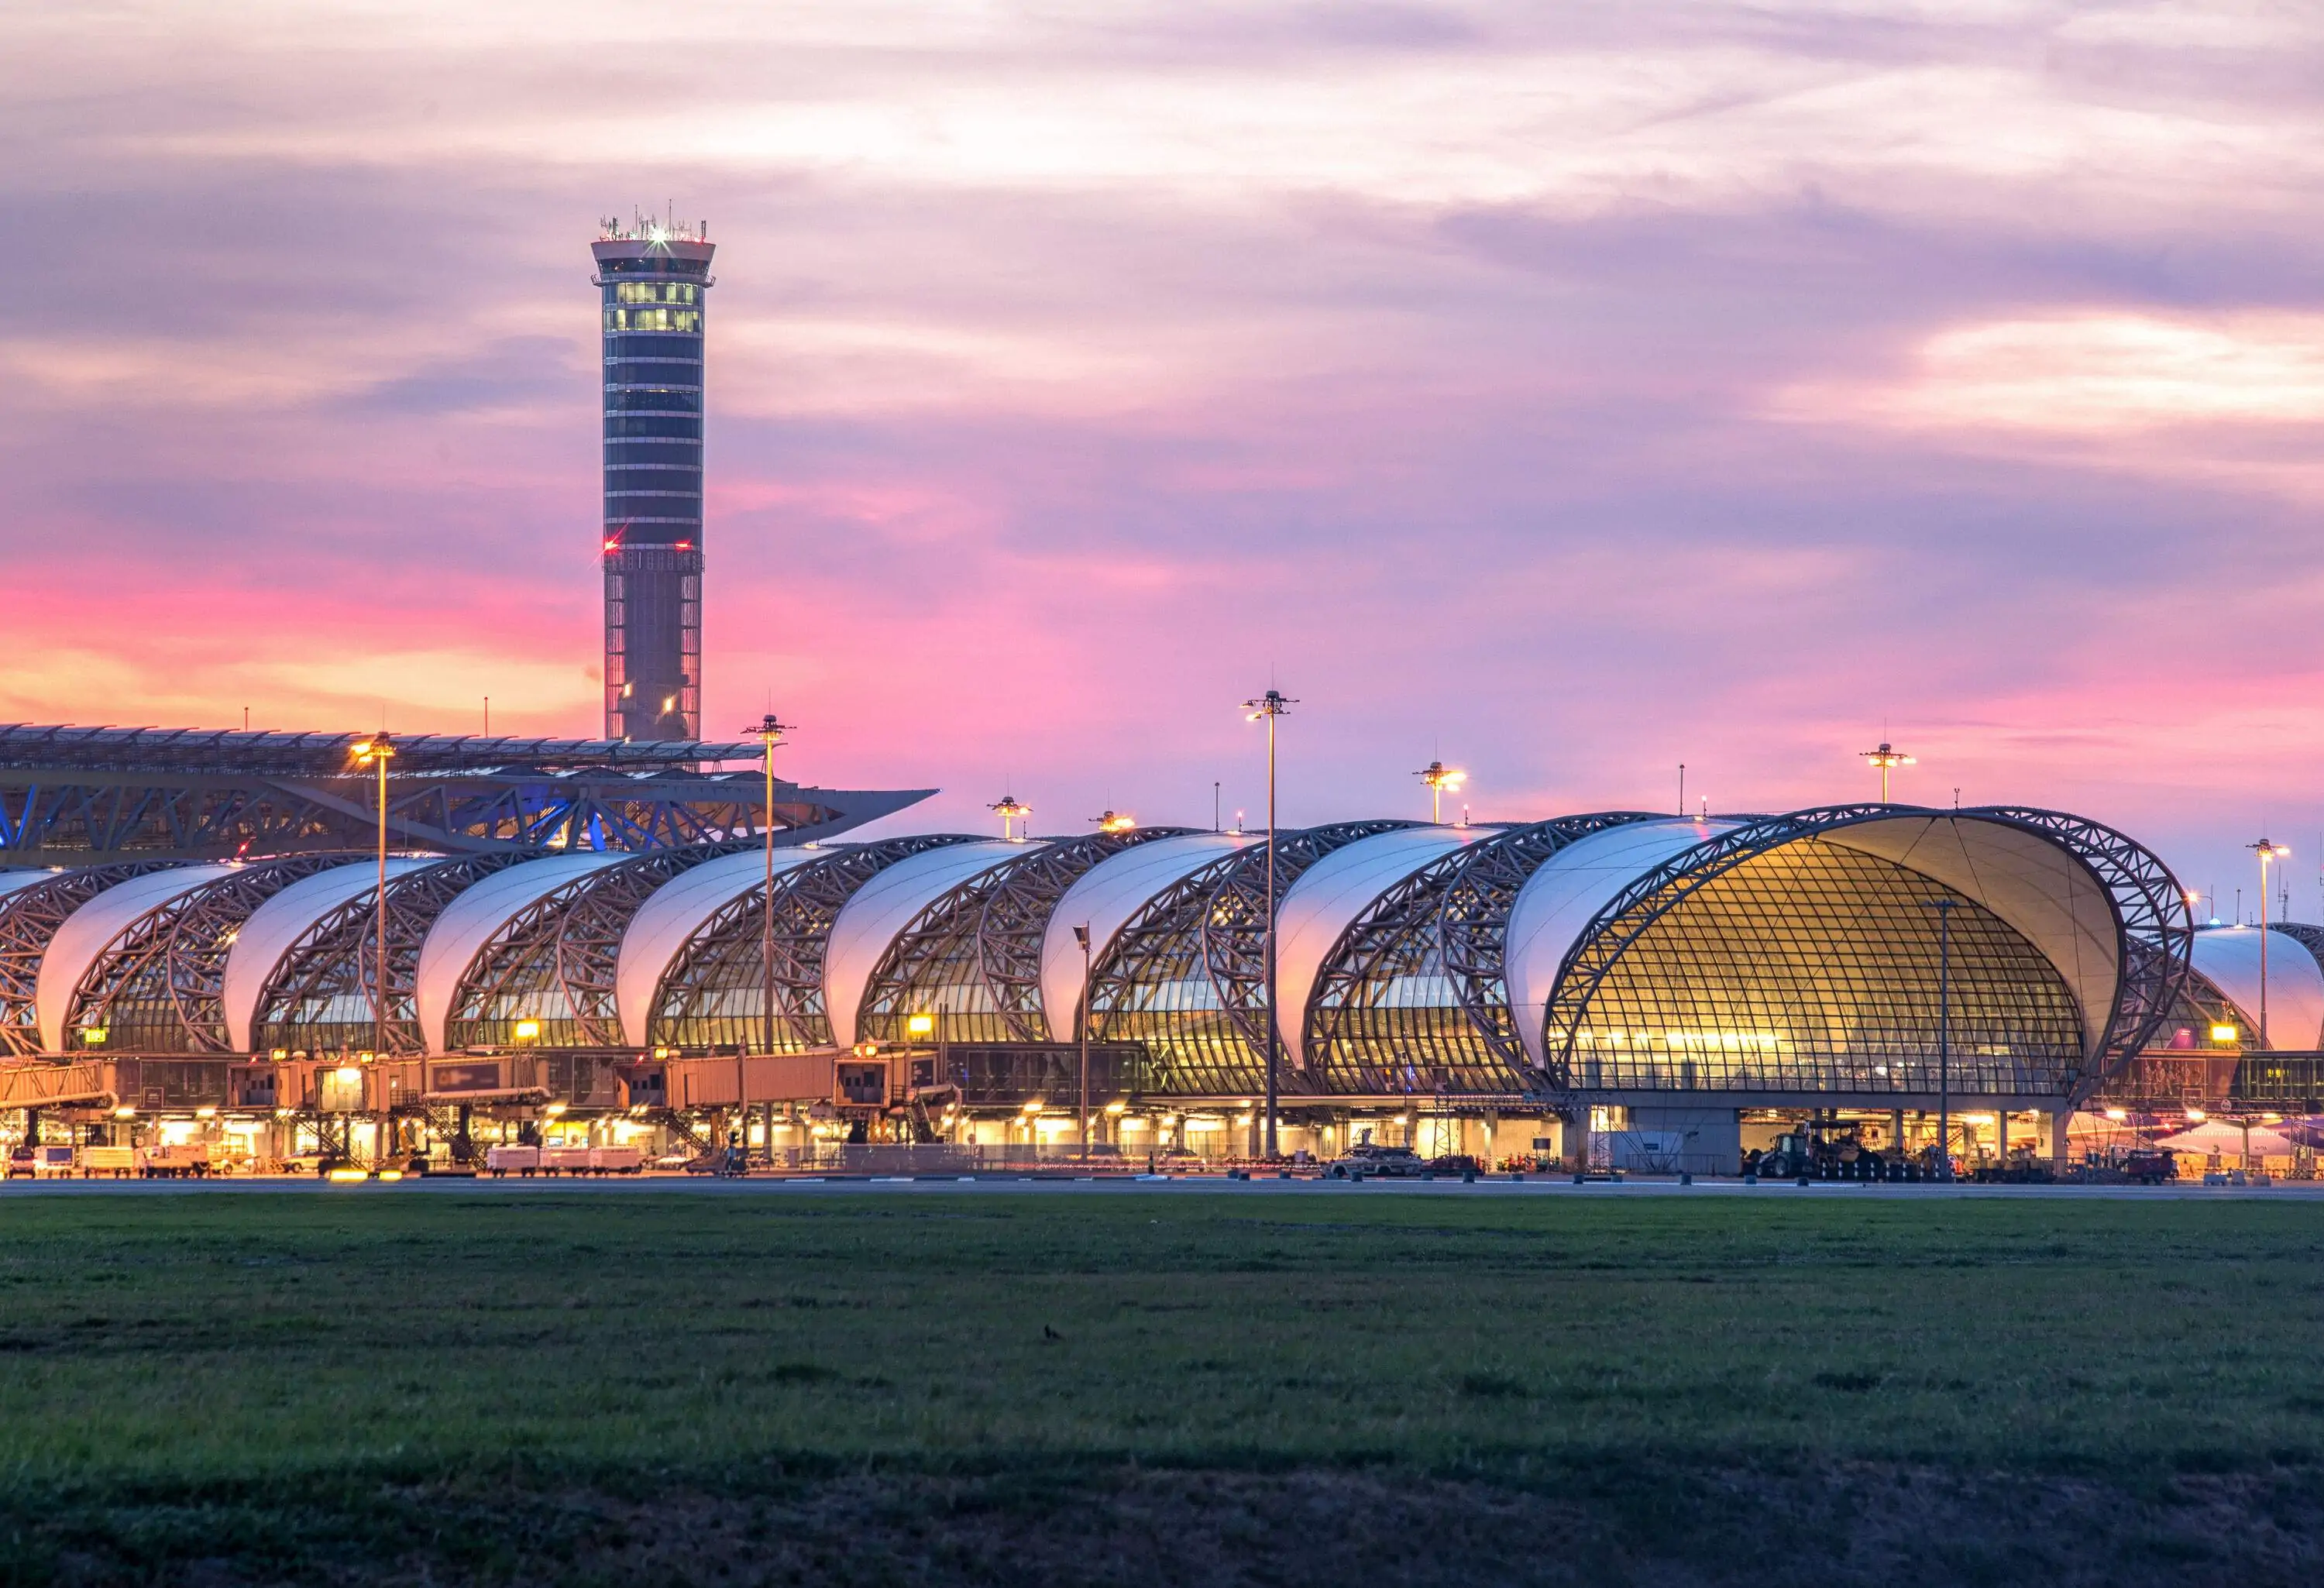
(521, 1385)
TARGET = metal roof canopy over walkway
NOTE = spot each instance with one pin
(84, 795)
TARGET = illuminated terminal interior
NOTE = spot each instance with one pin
(1476, 989)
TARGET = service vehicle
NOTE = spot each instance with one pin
(1366, 1159)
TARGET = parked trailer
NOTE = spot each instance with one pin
(499, 1160)
(592, 1160)
(120, 1162)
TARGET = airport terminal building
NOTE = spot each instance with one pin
(620, 950)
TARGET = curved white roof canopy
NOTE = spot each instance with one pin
(884, 906)
(2034, 883)
(469, 921)
(1327, 898)
(10, 882)
(667, 922)
(74, 948)
(1106, 898)
(1547, 917)
(2228, 958)
(280, 922)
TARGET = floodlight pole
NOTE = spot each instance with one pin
(1887, 758)
(1944, 908)
(770, 733)
(2266, 850)
(1081, 1028)
(1270, 705)
(1439, 778)
(380, 754)
(376, 751)
(379, 750)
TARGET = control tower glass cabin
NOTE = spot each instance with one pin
(653, 278)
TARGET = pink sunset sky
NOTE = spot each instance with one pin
(1567, 391)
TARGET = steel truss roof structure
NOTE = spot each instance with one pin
(1186, 976)
(321, 997)
(29, 918)
(2223, 985)
(554, 963)
(1620, 956)
(713, 995)
(84, 795)
(2151, 926)
(972, 959)
(1440, 932)
(159, 986)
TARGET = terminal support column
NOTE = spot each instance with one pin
(1574, 1137)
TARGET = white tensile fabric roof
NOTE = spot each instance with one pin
(77, 943)
(667, 922)
(1327, 898)
(469, 921)
(2228, 958)
(274, 926)
(885, 906)
(1105, 898)
(1547, 917)
(2034, 883)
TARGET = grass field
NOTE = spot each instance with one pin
(529, 1386)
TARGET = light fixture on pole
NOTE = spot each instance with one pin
(2266, 851)
(1267, 708)
(1115, 821)
(1439, 778)
(1010, 813)
(1944, 908)
(1081, 1033)
(769, 732)
(1887, 758)
(376, 751)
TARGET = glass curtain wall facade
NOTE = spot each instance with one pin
(1815, 967)
(654, 281)
(972, 959)
(551, 967)
(1415, 997)
(320, 999)
(29, 917)
(713, 997)
(1185, 977)
(159, 987)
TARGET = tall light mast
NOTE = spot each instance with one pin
(1267, 708)
(1439, 778)
(1887, 758)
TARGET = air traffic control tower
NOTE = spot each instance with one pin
(654, 277)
